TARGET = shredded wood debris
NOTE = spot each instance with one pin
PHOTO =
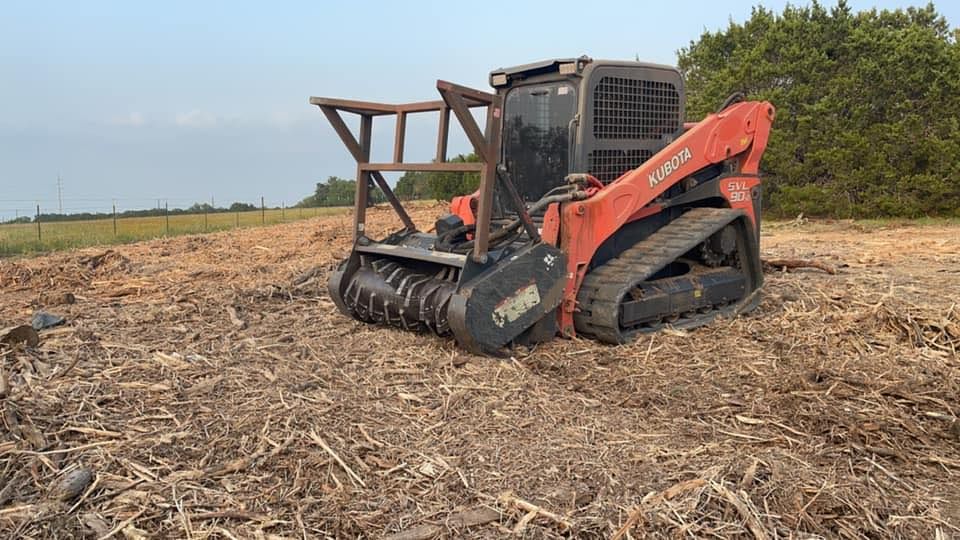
(206, 387)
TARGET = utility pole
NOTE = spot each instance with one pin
(60, 193)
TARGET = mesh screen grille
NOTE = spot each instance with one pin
(635, 109)
(608, 165)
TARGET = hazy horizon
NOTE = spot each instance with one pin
(181, 102)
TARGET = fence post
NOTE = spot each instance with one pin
(166, 216)
(114, 219)
(283, 211)
(238, 219)
(39, 236)
(263, 212)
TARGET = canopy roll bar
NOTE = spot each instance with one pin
(456, 98)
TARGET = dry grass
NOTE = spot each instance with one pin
(22, 238)
(210, 397)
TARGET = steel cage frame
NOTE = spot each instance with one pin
(456, 98)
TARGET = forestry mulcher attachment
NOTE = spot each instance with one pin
(599, 212)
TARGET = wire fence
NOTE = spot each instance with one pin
(83, 222)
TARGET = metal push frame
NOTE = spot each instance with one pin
(456, 98)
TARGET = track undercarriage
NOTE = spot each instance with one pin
(695, 268)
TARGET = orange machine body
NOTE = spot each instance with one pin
(737, 135)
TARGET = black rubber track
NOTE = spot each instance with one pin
(605, 287)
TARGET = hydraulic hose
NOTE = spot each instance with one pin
(735, 97)
(507, 232)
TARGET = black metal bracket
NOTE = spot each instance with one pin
(518, 205)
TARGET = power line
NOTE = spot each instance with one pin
(60, 192)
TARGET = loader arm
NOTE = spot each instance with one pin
(736, 135)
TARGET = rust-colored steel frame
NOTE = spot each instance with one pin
(456, 98)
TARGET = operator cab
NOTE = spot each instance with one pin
(573, 115)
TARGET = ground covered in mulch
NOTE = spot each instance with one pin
(206, 387)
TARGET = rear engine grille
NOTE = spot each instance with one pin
(635, 109)
(608, 165)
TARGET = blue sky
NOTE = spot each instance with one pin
(186, 101)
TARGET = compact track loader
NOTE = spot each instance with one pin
(599, 212)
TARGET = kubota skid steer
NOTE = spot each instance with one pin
(599, 212)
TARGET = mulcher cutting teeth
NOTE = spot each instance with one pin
(383, 291)
(483, 306)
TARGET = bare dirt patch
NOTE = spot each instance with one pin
(206, 387)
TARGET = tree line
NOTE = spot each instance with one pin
(336, 191)
(197, 208)
(868, 106)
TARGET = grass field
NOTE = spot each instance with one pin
(23, 238)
